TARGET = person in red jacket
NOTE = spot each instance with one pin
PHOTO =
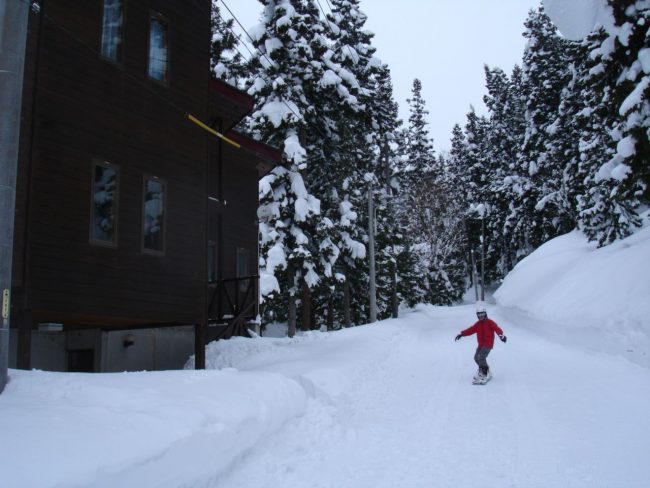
(484, 329)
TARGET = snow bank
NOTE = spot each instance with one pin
(588, 292)
(175, 428)
(136, 429)
(349, 354)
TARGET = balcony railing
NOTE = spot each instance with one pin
(234, 304)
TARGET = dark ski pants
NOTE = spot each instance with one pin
(481, 358)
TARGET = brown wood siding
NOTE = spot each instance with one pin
(87, 107)
(239, 225)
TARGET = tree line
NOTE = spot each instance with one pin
(563, 145)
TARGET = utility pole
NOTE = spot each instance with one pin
(483, 257)
(372, 286)
(474, 275)
(13, 33)
(394, 304)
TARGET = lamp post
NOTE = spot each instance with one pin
(13, 32)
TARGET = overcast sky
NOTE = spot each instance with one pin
(444, 43)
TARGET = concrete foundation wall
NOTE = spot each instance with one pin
(149, 349)
(48, 350)
(113, 351)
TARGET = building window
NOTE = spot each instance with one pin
(153, 215)
(103, 214)
(112, 29)
(158, 53)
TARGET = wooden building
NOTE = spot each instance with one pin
(135, 228)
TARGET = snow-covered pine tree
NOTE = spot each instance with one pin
(630, 167)
(352, 156)
(538, 211)
(298, 87)
(420, 155)
(517, 107)
(282, 69)
(226, 61)
(471, 169)
(397, 277)
(416, 165)
(602, 214)
(563, 149)
(504, 137)
(441, 248)
(433, 214)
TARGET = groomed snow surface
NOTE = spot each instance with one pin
(385, 405)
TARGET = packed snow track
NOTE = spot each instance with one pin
(552, 416)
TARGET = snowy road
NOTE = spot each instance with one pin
(384, 406)
(553, 416)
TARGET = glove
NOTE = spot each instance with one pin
(458, 337)
(503, 338)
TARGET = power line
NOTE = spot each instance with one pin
(261, 53)
(329, 24)
(238, 22)
(145, 85)
(272, 64)
(40, 11)
(236, 37)
(139, 81)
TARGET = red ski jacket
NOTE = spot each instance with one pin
(484, 330)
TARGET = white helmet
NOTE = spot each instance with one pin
(481, 308)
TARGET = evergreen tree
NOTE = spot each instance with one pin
(398, 280)
(226, 62)
(539, 211)
(599, 206)
(416, 163)
(629, 169)
(294, 89)
(420, 156)
(504, 137)
(352, 156)
(441, 220)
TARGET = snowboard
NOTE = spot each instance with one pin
(482, 381)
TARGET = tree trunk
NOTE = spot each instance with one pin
(347, 321)
(305, 322)
(330, 312)
(291, 306)
(291, 316)
(393, 292)
(312, 317)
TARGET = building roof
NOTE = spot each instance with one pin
(241, 104)
(264, 156)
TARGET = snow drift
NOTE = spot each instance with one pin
(587, 291)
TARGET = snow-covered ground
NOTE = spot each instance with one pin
(384, 405)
